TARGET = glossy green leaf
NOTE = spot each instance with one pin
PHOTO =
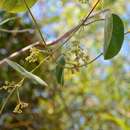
(60, 70)
(25, 73)
(15, 6)
(113, 35)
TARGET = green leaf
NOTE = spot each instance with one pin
(15, 6)
(25, 73)
(60, 70)
(113, 35)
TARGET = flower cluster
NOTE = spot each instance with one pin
(19, 108)
(35, 55)
(75, 54)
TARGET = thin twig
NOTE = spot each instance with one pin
(91, 11)
(16, 31)
(86, 64)
(98, 13)
(92, 60)
(18, 96)
(97, 20)
(35, 22)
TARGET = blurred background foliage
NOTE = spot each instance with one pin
(95, 97)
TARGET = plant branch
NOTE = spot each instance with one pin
(35, 22)
(16, 31)
(86, 64)
(92, 60)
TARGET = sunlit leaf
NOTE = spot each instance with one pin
(25, 73)
(113, 35)
(15, 6)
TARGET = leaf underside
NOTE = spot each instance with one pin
(25, 73)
